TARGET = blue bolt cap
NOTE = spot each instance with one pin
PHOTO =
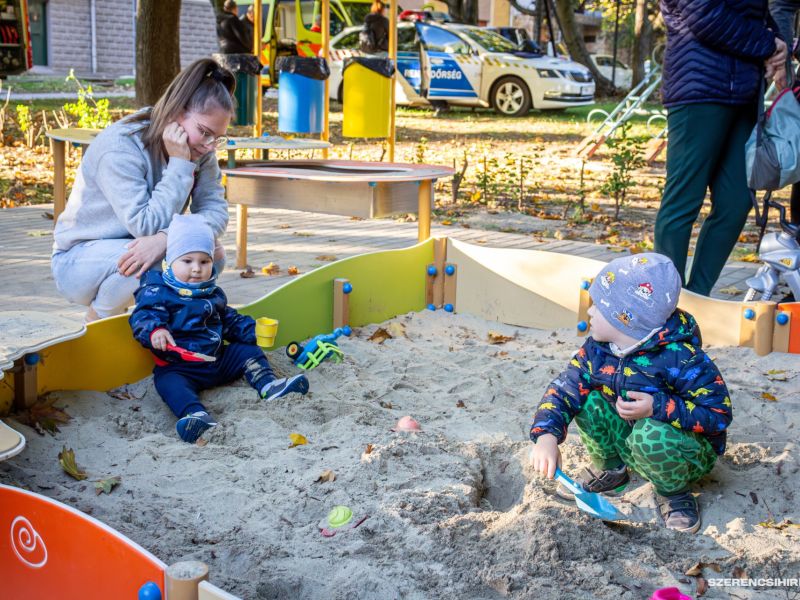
(448, 307)
(432, 271)
(585, 285)
(431, 307)
(231, 143)
(346, 330)
(449, 269)
(31, 359)
(582, 326)
(782, 318)
(749, 314)
(149, 591)
(347, 288)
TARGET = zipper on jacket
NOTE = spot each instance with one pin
(616, 383)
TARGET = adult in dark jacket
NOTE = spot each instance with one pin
(248, 23)
(231, 33)
(376, 25)
(717, 52)
(784, 12)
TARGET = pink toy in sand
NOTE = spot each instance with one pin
(672, 593)
(407, 424)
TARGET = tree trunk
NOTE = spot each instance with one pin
(158, 55)
(643, 40)
(577, 49)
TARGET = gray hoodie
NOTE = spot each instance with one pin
(119, 193)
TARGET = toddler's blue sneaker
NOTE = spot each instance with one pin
(280, 387)
(193, 425)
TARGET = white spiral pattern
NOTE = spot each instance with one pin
(26, 542)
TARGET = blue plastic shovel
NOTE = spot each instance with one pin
(589, 502)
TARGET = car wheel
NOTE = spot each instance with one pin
(511, 97)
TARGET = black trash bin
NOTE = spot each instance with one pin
(247, 70)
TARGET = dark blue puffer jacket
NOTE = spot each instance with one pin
(199, 324)
(715, 50)
(688, 390)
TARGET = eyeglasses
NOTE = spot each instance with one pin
(208, 138)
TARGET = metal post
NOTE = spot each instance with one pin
(393, 58)
(257, 34)
(614, 61)
(326, 52)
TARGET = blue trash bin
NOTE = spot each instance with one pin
(301, 94)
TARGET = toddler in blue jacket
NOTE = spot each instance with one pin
(183, 307)
(642, 391)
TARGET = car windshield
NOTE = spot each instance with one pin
(489, 40)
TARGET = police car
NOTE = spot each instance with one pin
(466, 65)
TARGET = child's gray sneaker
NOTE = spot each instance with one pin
(610, 482)
(193, 425)
(280, 387)
(679, 512)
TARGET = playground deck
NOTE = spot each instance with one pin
(286, 238)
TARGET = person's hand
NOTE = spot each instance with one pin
(142, 254)
(777, 60)
(780, 79)
(160, 338)
(545, 455)
(176, 141)
(638, 406)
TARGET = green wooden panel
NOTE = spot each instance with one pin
(385, 284)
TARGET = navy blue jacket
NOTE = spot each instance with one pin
(199, 324)
(715, 50)
(688, 390)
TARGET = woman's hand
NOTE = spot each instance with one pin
(545, 455)
(142, 254)
(176, 141)
(638, 406)
(160, 338)
(778, 59)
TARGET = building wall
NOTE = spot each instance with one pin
(70, 35)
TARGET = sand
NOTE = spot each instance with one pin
(454, 511)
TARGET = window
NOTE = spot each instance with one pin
(489, 40)
(439, 40)
(602, 61)
(407, 39)
(348, 42)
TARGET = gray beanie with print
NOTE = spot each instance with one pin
(638, 293)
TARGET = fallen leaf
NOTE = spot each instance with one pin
(595, 207)
(271, 269)
(297, 440)
(43, 416)
(396, 330)
(66, 459)
(778, 375)
(386, 405)
(558, 235)
(293, 270)
(460, 404)
(447, 222)
(731, 291)
(368, 449)
(753, 497)
(327, 258)
(702, 586)
(768, 396)
(695, 570)
(284, 226)
(499, 338)
(104, 486)
(247, 273)
(785, 524)
(714, 567)
(502, 353)
(201, 442)
(39, 233)
(327, 476)
(738, 573)
(380, 336)
(302, 234)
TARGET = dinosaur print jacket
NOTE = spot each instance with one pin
(688, 390)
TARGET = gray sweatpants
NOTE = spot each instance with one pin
(87, 274)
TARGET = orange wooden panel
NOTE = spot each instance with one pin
(50, 550)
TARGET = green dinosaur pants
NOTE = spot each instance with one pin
(670, 458)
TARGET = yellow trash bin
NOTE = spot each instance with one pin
(367, 97)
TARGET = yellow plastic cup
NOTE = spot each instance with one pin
(266, 331)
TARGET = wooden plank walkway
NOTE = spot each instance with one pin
(287, 238)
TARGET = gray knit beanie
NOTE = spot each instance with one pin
(188, 233)
(637, 294)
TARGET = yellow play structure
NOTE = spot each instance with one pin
(527, 288)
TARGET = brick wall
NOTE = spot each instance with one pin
(70, 35)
